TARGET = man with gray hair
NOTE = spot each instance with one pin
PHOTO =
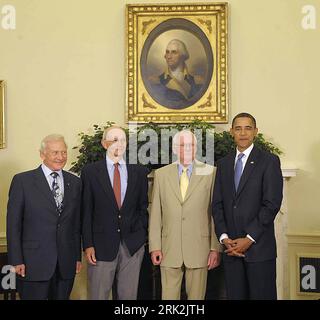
(43, 225)
(176, 87)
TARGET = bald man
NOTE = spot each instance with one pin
(181, 236)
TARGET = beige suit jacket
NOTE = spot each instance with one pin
(183, 230)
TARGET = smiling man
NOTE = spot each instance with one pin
(43, 225)
(247, 196)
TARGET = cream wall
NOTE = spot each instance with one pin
(64, 69)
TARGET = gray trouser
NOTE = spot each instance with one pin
(124, 267)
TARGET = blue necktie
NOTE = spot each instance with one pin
(238, 170)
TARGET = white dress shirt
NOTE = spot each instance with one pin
(47, 172)
(244, 158)
(189, 170)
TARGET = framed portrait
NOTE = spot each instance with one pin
(2, 130)
(177, 63)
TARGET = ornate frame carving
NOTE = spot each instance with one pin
(204, 30)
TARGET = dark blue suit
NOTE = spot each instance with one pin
(251, 210)
(104, 224)
(37, 235)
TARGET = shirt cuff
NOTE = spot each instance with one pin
(222, 237)
(248, 236)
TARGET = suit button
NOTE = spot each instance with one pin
(234, 207)
(183, 219)
(118, 230)
(59, 225)
(119, 216)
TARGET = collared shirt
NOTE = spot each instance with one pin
(47, 172)
(245, 157)
(179, 74)
(123, 175)
(189, 170)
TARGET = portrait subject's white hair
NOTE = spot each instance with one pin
(181, 48)
(51, 138)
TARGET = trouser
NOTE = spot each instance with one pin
(54, 289)
(125, 269)
(171, 280)
(250, 280)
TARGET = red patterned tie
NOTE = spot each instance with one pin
(117, 184)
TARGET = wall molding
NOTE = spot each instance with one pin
(289, 172)
(3, 242)
(301, 244)
(3, 238)
(309, 239)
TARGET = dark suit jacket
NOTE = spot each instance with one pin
(253, 208)
(37, 236)
(103, 223)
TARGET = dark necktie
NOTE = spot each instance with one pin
(238, 170)
(117, 184)
(56, 191)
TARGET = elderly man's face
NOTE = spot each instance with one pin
(54, 156)
(115, 143)
(173, 56)
(185, 148)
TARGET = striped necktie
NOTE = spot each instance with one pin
(56, 191)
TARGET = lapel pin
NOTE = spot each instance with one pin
(252, 162)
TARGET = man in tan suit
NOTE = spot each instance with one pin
(181, 236)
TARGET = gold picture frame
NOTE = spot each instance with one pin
(2, 128)
(156, 91)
